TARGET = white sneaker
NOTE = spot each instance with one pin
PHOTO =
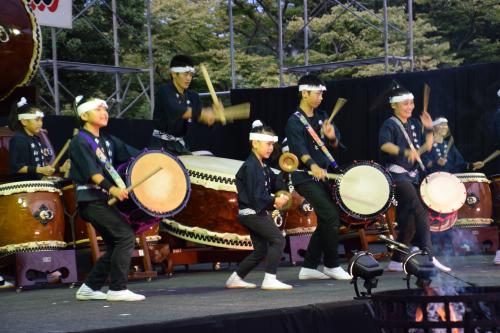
(271, 283)
(124, 295)
(311, 274)
(235, 282)
(496, 261)
(84, 293)
(5, 284)
(440, 266)
(395, 266)
(337, 273)
(414, 249)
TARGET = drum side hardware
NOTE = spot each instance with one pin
(44, 214)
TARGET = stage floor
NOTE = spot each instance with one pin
(200, 292)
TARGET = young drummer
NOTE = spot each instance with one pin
(176, 106)
(256, 183)
(92, 155)
(29, 158)
(312, 139)
(444, 157)
(399, 139)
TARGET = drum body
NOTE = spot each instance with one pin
(211, 214)
(20, 45)
(477, 210)
(162, 195)
(300, 219)
(32, 217)
(495, 193)
(364, 192)
(443, 194)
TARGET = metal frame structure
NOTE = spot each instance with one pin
(117, 98)
(319, 9)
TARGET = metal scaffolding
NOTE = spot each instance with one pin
(117, 97)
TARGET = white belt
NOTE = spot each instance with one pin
(247, 211)
(399, 169)
(90, 187)
(167, 137)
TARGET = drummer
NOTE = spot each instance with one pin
(176, 106)
(315, 189)
(29, 158)
(256, 184)
(92, 154)
(399, 138)
(444, 155)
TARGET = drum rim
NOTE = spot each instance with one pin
(356, 215)
(36, 55)
(426, 197)
(136, 200)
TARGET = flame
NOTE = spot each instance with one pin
(440, 310)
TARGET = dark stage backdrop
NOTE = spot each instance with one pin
(465, 95)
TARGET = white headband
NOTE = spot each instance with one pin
(309, 87)
(184, 69)
(440, 121)
(35, 115)
(401, 98)
(91, 105)
(263, 137)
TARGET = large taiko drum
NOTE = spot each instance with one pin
(478, 207)
(211, 214)
(364, 192)
(443, 194)
(495, 193)
(164, 194)
(20, 45)
(32, 217)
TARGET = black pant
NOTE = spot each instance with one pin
(324, 240)
(120, 242)
(268, 242)
(410, 208)
(174, 147)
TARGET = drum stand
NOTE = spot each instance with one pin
(142, 252)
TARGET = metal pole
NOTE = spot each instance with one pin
(116, 47)
(280, 41)
(306, 35)
(410, 34)
(150, 61)
(231, 43)
(55, 71)
(386, 39)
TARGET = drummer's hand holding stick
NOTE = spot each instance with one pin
(329, 131)
(122, 193)
(477, 165)
(280, 201)
(492, 156)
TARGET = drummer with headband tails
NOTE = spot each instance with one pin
(444, 155)
(92, 155)
(256, 183)
(29, 157)
(312, 139)
(400, 138)
(176, 106)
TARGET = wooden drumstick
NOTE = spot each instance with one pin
(129, 189)
(427, 93)
(450, 143)
(61, 153)
(215, 100)
(492, 156)
(338, 105)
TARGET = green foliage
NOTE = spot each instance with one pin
(446, 33)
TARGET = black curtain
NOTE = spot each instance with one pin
(464, 95)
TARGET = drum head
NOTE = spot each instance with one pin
(167, 191)
(364, 190)
(443, 192)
